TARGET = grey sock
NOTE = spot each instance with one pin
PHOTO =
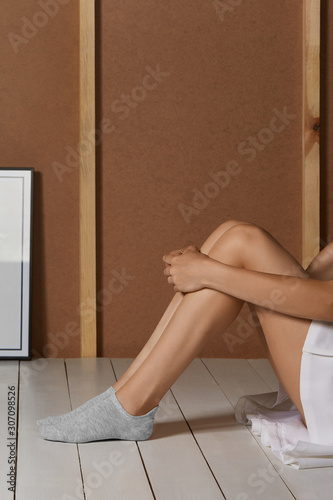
(61, 418)
(106, 419)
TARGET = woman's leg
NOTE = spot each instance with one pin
(103, 416)
(171, 309)
(284, 335)
(205, 313)
(199, 316)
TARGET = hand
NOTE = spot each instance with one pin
(184, 269)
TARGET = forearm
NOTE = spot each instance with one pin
(299, 297)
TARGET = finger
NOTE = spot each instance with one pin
(191, 248)
(168, 258)
(176, 252)
(167, 271)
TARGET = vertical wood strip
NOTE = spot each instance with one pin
(87, 179)
(311, 102)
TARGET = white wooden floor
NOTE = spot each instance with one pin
(197, 451)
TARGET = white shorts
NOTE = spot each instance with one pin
(274, 417)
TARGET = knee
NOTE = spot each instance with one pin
(242, 230)
(229, 224)
(218, 233)
(245, 232)
(239, 239)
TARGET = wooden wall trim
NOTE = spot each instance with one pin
(87, 180)
(311, 102)
(310, 198)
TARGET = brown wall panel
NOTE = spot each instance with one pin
(326, 133)
(39, 55)
(187, 94)
(162, 149)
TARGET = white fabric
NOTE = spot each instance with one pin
(275, 418)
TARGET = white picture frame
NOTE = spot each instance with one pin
(16, 208)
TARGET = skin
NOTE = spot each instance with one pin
(238, 262)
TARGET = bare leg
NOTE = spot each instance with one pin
(205, 313)
(284, 335)
(171, 309)
(175, 302)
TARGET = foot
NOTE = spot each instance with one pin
(105, 419)
(62, 418)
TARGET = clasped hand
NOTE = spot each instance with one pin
(184, 269)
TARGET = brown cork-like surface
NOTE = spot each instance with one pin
(326, 126)
(195, 98)
(187, 95)
(39, 55)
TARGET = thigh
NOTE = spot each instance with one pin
(285, 337)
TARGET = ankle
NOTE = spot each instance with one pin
(134, 406)
(118, 385)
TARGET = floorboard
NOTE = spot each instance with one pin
(106, 465)
(8, 380)
(44, 468)
(176, 467)
(266, 372)
(310, 484)
(197, 450)
(234, 456)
